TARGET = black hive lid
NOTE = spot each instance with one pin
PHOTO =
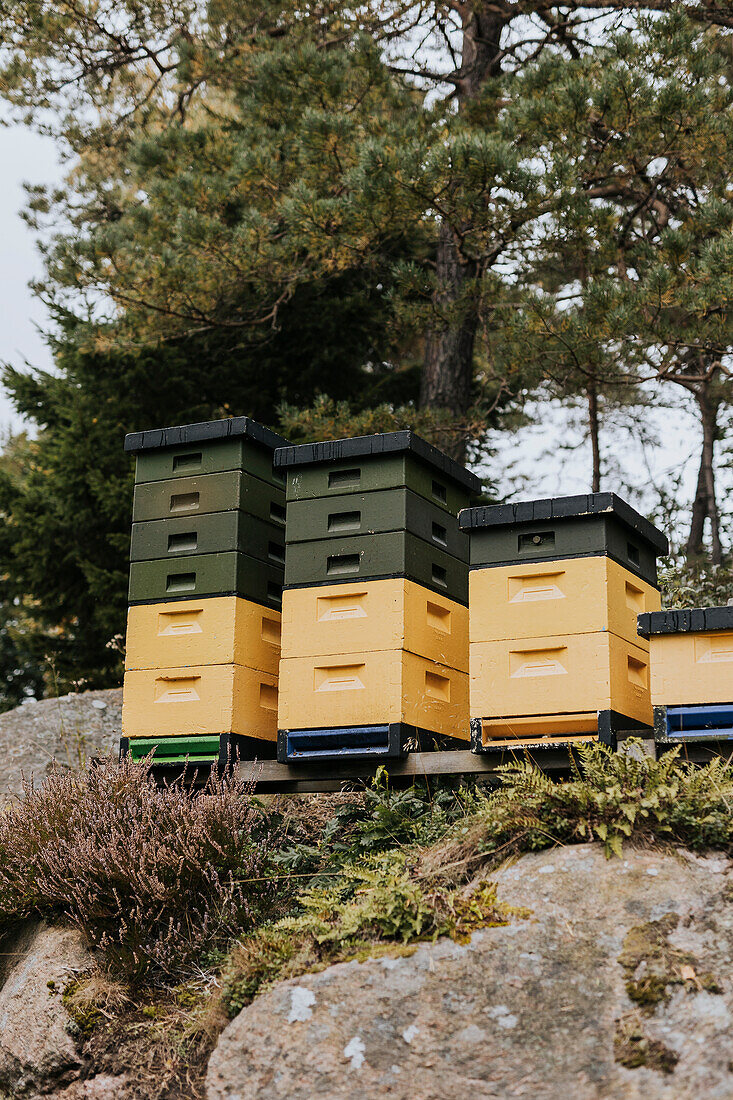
(208, 431)
(374, 446)
(558, 508)
(686, 621)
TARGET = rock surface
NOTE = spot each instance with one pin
(67, 730)
(101, 1087)
(36, 1050)
(619, 986)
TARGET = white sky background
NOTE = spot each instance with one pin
(24, 156)
(643, 452)
(546, 459)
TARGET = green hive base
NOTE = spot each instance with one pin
(182, 752)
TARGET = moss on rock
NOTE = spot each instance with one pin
(633, 1049)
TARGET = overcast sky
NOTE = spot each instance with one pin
(24, 156)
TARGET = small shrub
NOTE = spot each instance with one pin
(376, 901)
(156, 878)
(695, 584)
(397, 867)
(376, 820)
(612, 797)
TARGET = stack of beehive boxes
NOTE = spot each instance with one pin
(555, 589)
(691, 655)
(375, 620)
(206, 574)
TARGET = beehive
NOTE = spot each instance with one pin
(375, 622)
(554, 593)
(207, 565)
(692, 673)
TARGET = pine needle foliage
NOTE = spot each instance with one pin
(697, 584)
(329, 419)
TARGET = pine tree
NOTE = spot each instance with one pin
(260, 124)
(639, 141)
(21, 673)
(492, 43)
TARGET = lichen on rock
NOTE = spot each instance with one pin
(633, 1049)
(536, 1009)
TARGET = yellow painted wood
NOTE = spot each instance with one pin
(577, 596)
(692, 669)
(200, 699)
(373, 688)
(217, 630)
(375, 615)
(559, 675)
(553, 729)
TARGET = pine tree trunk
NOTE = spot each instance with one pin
(448, 364)
(705, 505)
(594, 428)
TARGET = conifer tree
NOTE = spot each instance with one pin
(639, 141)
(489, 47)
(21, 673)
(322, 97)
(264, 204)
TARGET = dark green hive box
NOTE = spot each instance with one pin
(209, 534)
(374, 557)
(376, 462)
(595, 524)
(689, 620)
(371, 513)
(207, 493)
(211, 447)
(228, 574)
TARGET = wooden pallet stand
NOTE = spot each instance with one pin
(339, 774)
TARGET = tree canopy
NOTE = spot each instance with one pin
(334, 216)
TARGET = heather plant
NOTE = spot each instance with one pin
(159, 879)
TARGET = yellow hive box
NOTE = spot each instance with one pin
(219, 630)
(692, 669)
(577, 596)
(373, 688)
(560, 675)
(375, 615)
(205, 699)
